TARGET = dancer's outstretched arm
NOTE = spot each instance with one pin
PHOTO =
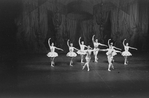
(85, 46)
(133, 48)
(103, 49)
(93, 38)
(76, 48)
(102, 44)
(68, 43)
(49, 42)
(59, 48)
(117, 48)
(117, 51)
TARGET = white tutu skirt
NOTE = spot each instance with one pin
(108, 53)
(96, 49)
(81, 52)
(52, 54)
(71, 54)
(113, 53)
(126, 53)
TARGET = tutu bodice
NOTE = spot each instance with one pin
(52, 48)
(96, 45)
(126, 48)
(71, 49)
(82, 47)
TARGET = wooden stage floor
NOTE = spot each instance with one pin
(31, 76)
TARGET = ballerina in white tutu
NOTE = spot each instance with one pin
(71, 52)
(111, 52)
(88, 57)
(52, 54)
(126, 52)
(81, 51)
(96, 49)
(114, 53)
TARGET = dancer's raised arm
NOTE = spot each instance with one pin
(109, 42)
(68, 43)
(102, 44)
(124, 42)
(117, 48)
(93, 38)
(49, 42)
(79, 40)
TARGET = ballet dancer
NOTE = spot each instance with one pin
(71, 52)
(52, 53)
(111, 52)
(88, 51)
(126, 52)
(81, 51)
(96, 49)
(113, 47)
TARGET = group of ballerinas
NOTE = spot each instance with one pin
(87, 51)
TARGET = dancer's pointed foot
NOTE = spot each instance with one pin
(83, 67)
(82, 62)
(88, 70)
(52, 65)
(113, 61)
(109, 70)
(112, 66)
(125, 63)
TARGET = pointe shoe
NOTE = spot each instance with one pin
(127, 62)
(96, 61)
(82, 62)
(109, 70)
(113, 67)
(52, 65)
(88, 70)
(83, 67)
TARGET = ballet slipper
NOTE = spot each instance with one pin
(83, 67)
(113, 60)
(82, 62)
(96, 61)
(52, 65)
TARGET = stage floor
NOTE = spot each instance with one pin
(31, 76)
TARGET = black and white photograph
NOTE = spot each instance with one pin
(74, 48)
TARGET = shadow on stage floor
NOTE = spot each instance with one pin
(31, 76)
